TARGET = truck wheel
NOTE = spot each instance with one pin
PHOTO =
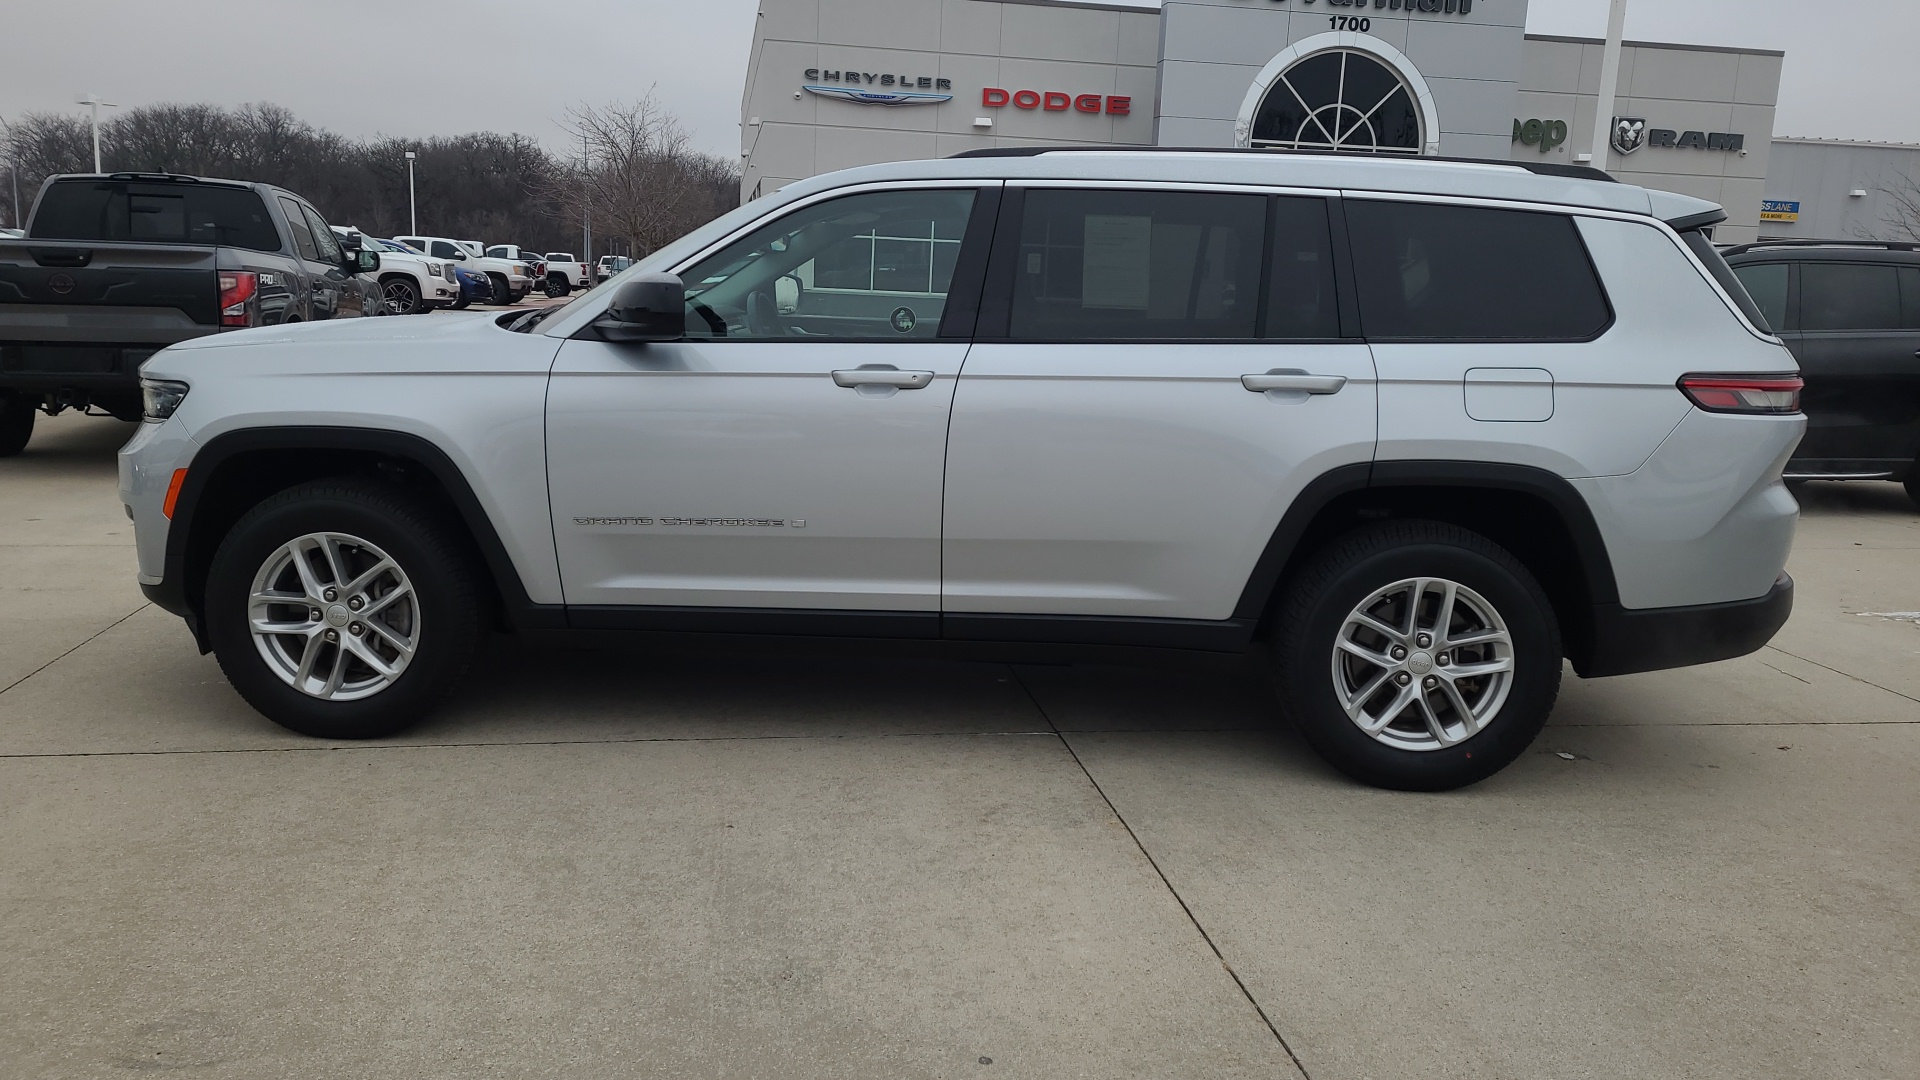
(401, 296)
(1417, 656)
(557, 286)
(1913, 483)
(502, 290)
(460, 304)
(341, 609)
(16, 423)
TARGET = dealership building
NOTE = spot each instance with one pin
(838, 83)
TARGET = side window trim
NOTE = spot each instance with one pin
(965, 292)
(1345, 291)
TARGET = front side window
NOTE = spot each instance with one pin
(876, 265)
(1849, 296)
(1118, 265)
(441, 249)
(1436, 272)
(1766, 283)
(323, 237)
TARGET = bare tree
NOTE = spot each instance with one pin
(1902, 216)
(640, 177)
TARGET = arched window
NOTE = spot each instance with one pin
(1339, 99)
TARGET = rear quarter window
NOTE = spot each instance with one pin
(1766, 283)
(164, 213)
(1431, 272)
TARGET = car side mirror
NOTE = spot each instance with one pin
(366, 261)
(351, 241)
(651, 307)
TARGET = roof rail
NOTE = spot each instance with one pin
(1883, 245)
(1539, 168)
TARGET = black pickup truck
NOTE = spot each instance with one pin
(115, 268)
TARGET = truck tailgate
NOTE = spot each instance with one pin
(58, 292)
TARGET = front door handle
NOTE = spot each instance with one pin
(1293, 379)
(882, 375)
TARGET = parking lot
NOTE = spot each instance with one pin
(599, 865)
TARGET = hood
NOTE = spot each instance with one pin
(373, 335)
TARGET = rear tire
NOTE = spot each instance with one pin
(17, 415)
(1912, 483)
(1474, 697)
(370, 554)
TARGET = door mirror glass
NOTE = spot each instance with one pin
(366, 261)
(651, 307)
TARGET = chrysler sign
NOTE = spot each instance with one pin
(878, 88)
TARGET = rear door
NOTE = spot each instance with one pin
(1152, 384)
(322, 292)
(1860, 351)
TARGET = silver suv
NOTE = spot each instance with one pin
(1422, 428)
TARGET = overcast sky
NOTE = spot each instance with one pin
(423, 67)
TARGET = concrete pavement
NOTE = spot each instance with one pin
(599, 865)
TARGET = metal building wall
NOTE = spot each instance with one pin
(1822, 175)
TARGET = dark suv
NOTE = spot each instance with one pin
(1850, 311)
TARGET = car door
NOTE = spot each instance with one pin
(787, 456)
(1860, 345)
(322, 291)
(352, 290)
(1157, 374)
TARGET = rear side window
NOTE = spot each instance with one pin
(1430, 272)
(1119, 265)
(302, 232)
(165, 213)
(1849, 296)
(1766, 283)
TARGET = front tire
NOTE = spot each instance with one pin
(342, 610)
(1912, 483)
(402, 296)
(502, 290)
(1417, 656)
(17, 415)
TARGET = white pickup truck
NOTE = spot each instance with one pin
(566, 273)
(511, 279)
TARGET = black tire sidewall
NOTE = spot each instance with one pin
(449, 619)
(1307, 680)
(18, 415)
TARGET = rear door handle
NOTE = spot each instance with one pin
(885, 375)
(1293, 379)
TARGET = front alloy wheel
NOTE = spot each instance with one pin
(401, 296)
(344, 608)
(334, 616)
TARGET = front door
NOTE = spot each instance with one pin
(788, 454)
(1158, 374)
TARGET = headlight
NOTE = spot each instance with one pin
(160, 399)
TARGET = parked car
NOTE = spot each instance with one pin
(610, 265)
(508, 279)
(1422, 428)
(1850, 311)
(566, 273)
(475, 287)
(116, 267)
(410, 283)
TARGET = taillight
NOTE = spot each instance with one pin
(1768, 394)
(236, 288)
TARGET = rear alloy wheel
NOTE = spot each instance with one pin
(401, 296)
(17, 414)
(340, 610)
(1418, 656)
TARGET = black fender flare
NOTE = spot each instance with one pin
(172, 593)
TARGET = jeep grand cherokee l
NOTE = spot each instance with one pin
(1426, 428)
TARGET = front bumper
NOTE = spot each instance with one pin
(1629, 640)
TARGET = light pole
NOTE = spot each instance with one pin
(586, 200)
(413, 216)
(1609, 84)
(93, 99)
